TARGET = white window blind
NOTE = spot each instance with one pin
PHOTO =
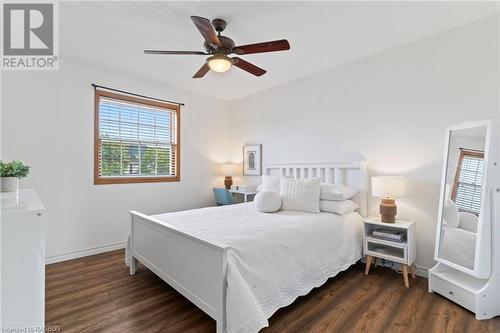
(468, 193)
(136, 140)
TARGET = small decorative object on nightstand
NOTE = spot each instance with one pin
(394, 242)
(387, 188)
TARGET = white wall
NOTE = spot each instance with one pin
(393, 108)
(47, 121)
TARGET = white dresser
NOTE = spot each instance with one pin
(23, 260)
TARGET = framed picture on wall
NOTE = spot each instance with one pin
(252, 160)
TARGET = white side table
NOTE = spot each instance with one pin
(401, 252)
(247, 196)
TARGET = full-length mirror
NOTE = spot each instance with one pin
(463, 195)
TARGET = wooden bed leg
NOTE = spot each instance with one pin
(133, 265)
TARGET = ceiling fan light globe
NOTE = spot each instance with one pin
(219, 63)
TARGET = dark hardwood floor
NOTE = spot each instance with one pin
(97, 294)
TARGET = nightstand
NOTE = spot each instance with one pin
(247, 196)
(402, 252)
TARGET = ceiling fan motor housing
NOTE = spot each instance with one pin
(219, 24)
(227, 45)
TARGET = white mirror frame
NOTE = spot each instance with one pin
(482, 255)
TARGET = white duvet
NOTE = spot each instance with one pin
(274, 258)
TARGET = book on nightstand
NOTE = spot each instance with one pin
(392, 235)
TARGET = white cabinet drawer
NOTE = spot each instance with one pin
(453, 292)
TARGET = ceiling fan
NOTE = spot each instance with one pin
(218, 47)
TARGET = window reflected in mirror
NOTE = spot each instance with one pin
(468, 182)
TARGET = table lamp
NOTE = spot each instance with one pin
(228, 170)
(387, 188)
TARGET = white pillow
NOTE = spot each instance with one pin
(338, 207)
(450, 214)
(270, 183)
(336, 192)
(268, 201)
(300, 194)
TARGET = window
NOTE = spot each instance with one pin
(136, 140)
(468, 181)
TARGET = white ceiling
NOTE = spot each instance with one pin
(322, 35)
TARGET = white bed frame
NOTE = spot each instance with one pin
(195, 267)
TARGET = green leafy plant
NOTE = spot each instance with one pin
(14, 169)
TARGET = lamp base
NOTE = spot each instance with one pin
(228, 182)
(388, 210)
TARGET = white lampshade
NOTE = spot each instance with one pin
(388, 186)
(228, 169)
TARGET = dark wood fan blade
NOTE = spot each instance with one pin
(276, 45)
(175, 52)
(246, 66)
(206, 30)
(201, 72)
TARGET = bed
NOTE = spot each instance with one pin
(239, 265)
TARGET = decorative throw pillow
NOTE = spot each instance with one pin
(300, 194)
(268, 201)
(336, 192)
(338, 207)
(270, 183)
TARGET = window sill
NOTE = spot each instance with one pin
(131, 180)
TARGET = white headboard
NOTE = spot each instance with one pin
(352, 173)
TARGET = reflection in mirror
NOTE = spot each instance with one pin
(463, 194)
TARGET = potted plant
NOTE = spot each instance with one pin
(10, 174)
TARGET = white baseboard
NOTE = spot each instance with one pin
(85, 253)
(422, 271)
